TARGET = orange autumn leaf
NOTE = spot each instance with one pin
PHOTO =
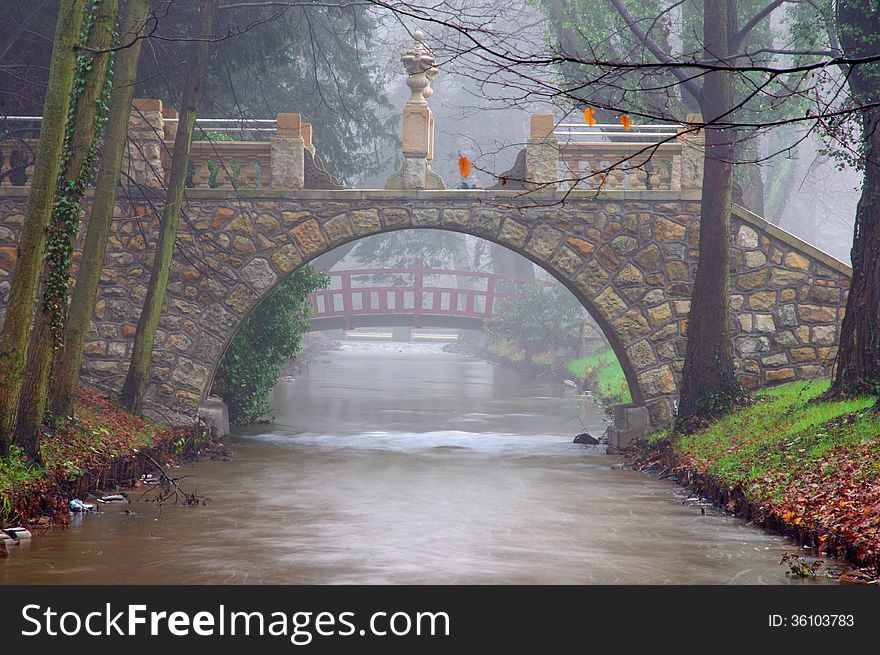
(588, 116)
(464, 166)
(602, 178)
(503, 181)
(625, 121)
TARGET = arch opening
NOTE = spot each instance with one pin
(460, 281)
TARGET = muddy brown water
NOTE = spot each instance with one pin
(401, 463)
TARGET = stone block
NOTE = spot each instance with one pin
(215, 414)
(780, 375)
(286, 259)
(816, 313)
(746, 237)
(338, 229)
(585, 248)
(628, 276)
(544, 241)
(609, 303)
(641, 355)
(657, 381)
(796, 260)
(667, 230)
(366, 221)
(310, 238)
(631, 325)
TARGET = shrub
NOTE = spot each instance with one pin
(270, 336)
(538, 318)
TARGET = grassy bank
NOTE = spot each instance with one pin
(601, 373)
(806, 468)
(102, 448)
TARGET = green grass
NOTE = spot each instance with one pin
(15, 470)
(603, 375)
(783, 432)
(100, 433)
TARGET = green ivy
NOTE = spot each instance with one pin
(268, 338)
(69, 192)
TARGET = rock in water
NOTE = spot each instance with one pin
(587, 439)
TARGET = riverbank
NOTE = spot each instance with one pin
(599, 374)
(104, 448)
(789, 463)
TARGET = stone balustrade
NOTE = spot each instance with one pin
(277, 154)
(17, 161)
(606, 157)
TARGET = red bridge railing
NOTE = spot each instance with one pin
(347, 299)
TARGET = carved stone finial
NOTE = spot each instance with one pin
(418, 121)
(419, 63)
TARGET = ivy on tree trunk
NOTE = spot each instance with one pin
(68, 359)
(26, 273)
(84, 123)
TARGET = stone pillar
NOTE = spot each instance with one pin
(306, 133)
(215, 414)
(631, 422)
(542, 154)
(287, 153)
(170, 119)
(418, 122)
(145, 150)
(689, 173)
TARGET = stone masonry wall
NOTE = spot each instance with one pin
(629, 257)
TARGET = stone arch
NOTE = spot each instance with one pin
(605, 253)
(577, 290)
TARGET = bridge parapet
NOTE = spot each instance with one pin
(270, 153)
(608, 157)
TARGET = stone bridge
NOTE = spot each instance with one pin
(622, 238)
(628, 256)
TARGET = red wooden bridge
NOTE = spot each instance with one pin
(426, 299)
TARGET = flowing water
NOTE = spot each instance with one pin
(401, 463)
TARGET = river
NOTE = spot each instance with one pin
(401, 463)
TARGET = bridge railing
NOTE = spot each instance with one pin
(265, 153)
(607, 156)
(347, 298)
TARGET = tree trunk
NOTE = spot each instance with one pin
(709, 384)
(26, 273)
(69, 359)
(83, 132)
(138, 372)
(857, 369)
